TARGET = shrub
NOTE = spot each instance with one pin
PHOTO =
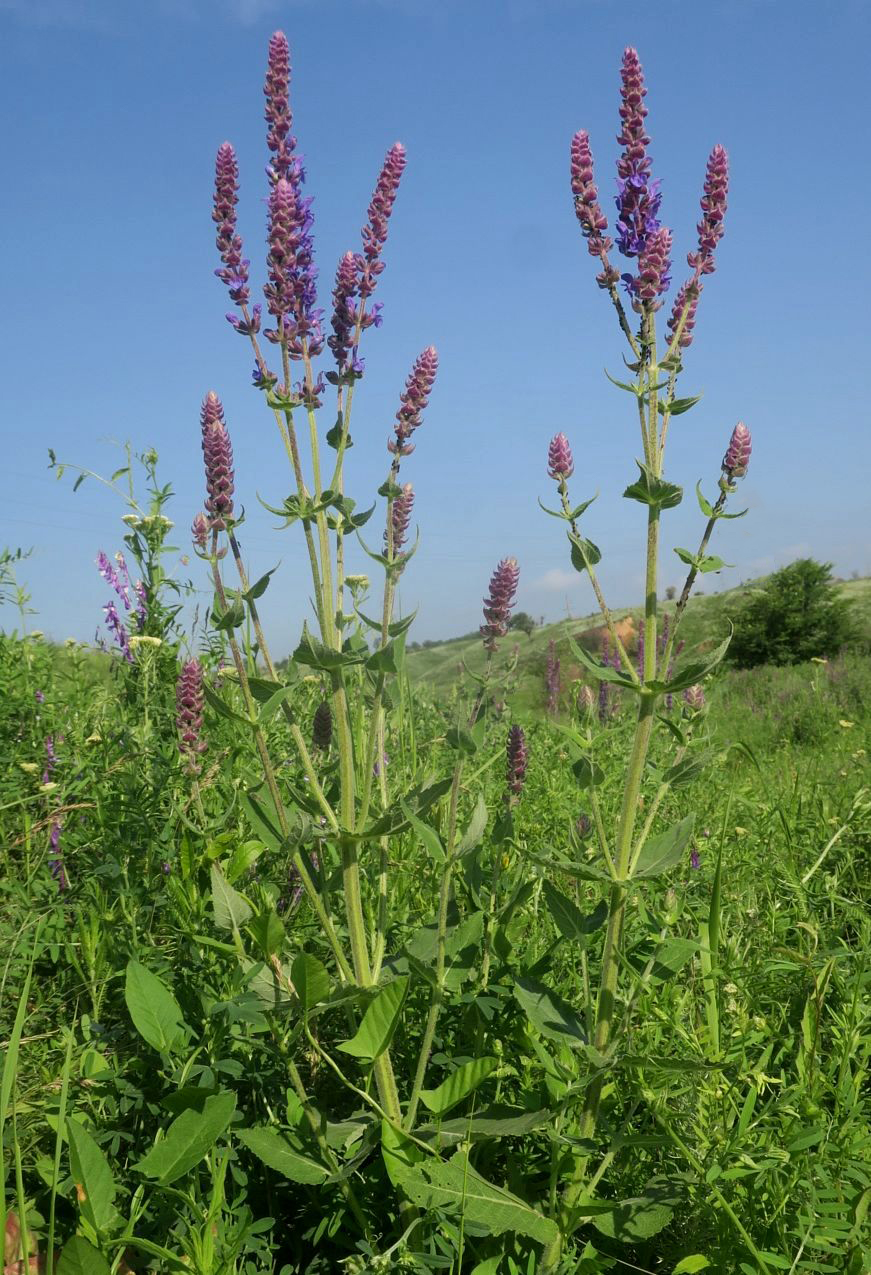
(796, 616)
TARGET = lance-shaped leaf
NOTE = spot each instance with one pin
(569, 919)
(661, 853)
(379, 1022)
(428, 837)
(702, 562)
(95, 1186)
(188, 1139)
(678, 406)
(458, 1085)
(79, 1257)
(584, 553)
(311, 980)
(155, 1012)
(548, 1012)
(471, 838)
(231, 909)
(708, 509)
(695, 671)
(278, 1154)
(602, 672)
(259, 587)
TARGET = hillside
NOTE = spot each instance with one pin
(706, 620)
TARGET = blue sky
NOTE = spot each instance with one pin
(114, 324)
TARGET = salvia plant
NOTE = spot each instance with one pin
(421, 1027)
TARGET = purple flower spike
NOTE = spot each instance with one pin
(369, 263)
(588, 210)
(585, 701)
(344, 320)
(322, 726)
(189, 713)
(711, 226)
(517, 758)
(560, 464)
(39, 696)
(277, 114)
(413, 400)
(218, 456)
(497, 607)
(116, 627)
(695, 861)
(401, 516)
(638, 198)
(694, 697)
(234, 271)
(55, 857)
(737, 456)
(291, 293)
(653, 266)
(688, 290)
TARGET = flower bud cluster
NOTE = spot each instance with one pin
(737, 457)
(517, 758)
(218, 457)
(560, 463)
(497, 606)
(189, 713)
(413, 400)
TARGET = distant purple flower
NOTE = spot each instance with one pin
(218, 457)
(295, 885)
(585, 701)
(376, 769)
(401, 517)
(344, 320)
(695, 861)
(552, 677)
(560, 463)
(714, 205)
(189, 713)
(116, 627)
(114, 577)
(166, 867)
(517, 760)
(413, 400)
(249, 326)
(584, 826)
(234, 272)
(50, 759)
(369, 263)
(737, 456)
(55, 857)
(200, 531)
(694, 697)
(638, 197)
(39, 696)
(497, 606)
(141, 594)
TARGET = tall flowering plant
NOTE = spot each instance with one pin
(634, 850)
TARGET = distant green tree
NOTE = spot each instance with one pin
(523, 621)
(795, 616)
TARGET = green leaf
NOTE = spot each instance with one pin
(471, 838)
(690, 1265)
(455, 1186)
(188, 1139)
(678, 406)
(706, 508)
(587, 773)
(90, 1170)
(81, 1258)
(268, 933)
(155, 1012)
(497, 1121)
(651, 490)
(697, 670)
(311, 980)
(214, 700)
(232, 618)
(277, 1153)
(428, 837)
(569, 919)
(602, 672)
(458, 1085)
(637, 1218)
(259, 587)
(665, 851)
(314, 654)
(550, 1013)
(584, 553)
(387, 659)
(230, 908)
(379, 1022)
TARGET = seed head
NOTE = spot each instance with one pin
(497, 606)
(560, 464)
(737, 456)
(218, 457)
(517, 760)
(322, 726)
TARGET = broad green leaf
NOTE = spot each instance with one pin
(231, 909)
(664, 852)
(191, 1136)
(602, 672)
(428, 837)
(81, 1258)
(570, 921)
(268, 933)
(277, 1153)
(650, 490)
(637, 1218)
(696, 671)
(477, 824)
(155, 1012)
(690, 1265)
(313, 653)
(553, 1016)
(259, 587)
(587, 773)
(455, 1186)
(95, 1186)
(379, 1022)
(458, 1085)
(489, 1266)
(311, 980)
(584, 553)
(242, 859)
(497, 1121)
(678, 406)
